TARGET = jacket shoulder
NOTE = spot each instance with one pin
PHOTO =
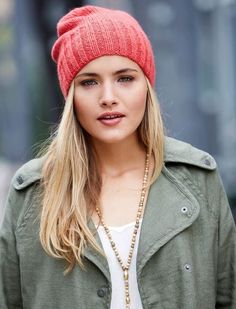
(28, 173)
(175, 152)
(180, 152)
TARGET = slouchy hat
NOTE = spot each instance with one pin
(89, 32)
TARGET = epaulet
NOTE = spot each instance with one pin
(176, 151)
(28, 173)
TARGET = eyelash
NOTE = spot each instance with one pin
(88, 83)
(92, 82)
(126, 79)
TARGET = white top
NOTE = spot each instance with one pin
(122, 237)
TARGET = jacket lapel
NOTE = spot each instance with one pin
(170, 209)
(94, 256)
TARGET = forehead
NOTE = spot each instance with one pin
(109, 64)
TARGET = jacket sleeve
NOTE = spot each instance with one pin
(226, 268)
(10, 288)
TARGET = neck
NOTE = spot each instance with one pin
(118, 158)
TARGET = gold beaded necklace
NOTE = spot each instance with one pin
(125, 267)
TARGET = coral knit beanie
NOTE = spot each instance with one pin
(89, 32)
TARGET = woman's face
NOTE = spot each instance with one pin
(110, 98)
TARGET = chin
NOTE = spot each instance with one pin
(115, 139)
(112, 140)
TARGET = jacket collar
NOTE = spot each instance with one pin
(170, 209)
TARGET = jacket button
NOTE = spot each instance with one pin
(101, 292)
(188, 268)
(184, 210)
(20, 180)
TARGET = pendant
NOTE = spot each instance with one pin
(126, 274)
(126, 281)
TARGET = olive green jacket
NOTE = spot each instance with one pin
(186, 254)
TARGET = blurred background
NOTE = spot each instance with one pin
(195, 47)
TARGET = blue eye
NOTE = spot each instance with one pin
(88, 82)
(125, 79)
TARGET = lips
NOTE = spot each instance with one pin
(112, 115)
(111, 119)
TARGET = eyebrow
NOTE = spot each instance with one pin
(91, 74)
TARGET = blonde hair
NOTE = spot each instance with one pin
(72, 185)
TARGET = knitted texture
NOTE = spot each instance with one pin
(89, 32)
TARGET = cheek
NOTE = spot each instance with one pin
(84, 103)
(140, 103)
(77, 110)
(82, 117)
(81, 109)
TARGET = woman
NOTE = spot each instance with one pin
(115, 215)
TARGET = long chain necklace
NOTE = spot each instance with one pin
(125, 267)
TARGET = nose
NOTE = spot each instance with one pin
(108, 96)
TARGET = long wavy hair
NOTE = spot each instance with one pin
(72, 184)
